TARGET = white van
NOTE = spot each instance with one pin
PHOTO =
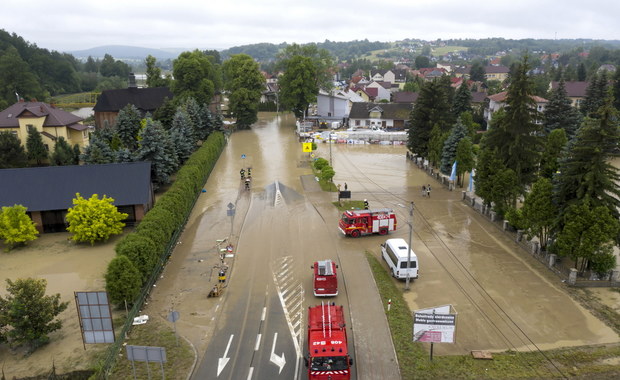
(394, 252)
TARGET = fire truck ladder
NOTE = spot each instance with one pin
(329, 318)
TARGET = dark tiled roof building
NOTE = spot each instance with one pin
(47, 192)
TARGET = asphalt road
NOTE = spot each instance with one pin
(260, 332)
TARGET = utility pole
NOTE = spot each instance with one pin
(330, 147)
(410, 246)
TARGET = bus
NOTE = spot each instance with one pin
(394, 252)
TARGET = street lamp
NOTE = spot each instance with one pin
(410, 246)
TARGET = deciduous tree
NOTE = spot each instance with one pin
(193, 76)
(538, 211)
(588, 233)
(465, 158)
(153, 73)
(27, 315)
(298, 85)
(94, 219)
(16, 227)
(245, 83)
(554, 144)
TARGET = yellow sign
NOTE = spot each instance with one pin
(306, 147)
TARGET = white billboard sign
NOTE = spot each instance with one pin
(434, 325)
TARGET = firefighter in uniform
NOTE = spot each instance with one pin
(242, 173)
(365, 204)
(222, 276)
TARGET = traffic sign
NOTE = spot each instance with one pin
(173, 316)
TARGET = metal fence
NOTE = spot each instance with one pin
(562, 267)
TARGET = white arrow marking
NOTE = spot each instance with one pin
(280, 361)
(221, 362)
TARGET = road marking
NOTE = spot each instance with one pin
(250, 374)
(257, 342)
(221, 362)
(262, 318)
(280, 361)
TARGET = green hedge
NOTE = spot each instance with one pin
(148, 246)
(141, 251)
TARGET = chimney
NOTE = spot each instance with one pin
(132, 81)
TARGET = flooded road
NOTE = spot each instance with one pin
(501, 299)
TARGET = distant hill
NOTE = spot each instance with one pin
(127, 52)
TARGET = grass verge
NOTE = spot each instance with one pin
(156, 333)
(348, 205)
(600, 362)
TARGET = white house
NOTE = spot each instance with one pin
(498, 101)
(334, 105)
(382, 92)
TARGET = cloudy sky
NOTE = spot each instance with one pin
(65, 25)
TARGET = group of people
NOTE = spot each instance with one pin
(247, 180)
(426, 190)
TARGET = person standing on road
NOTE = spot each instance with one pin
(346, 187)
(423, 190)
(428, 190)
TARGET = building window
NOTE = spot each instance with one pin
(367, 122)
(357, 123)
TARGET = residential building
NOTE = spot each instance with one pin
(50, 121)
(498, 101)
(383, 90)
(405, 97)
(379, 115)
(333, 105)
(499, 73)
(575, 90)
(110, 102)
(48, 192)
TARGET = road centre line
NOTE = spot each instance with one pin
(257, 345)
(262, 318)
(250, 373)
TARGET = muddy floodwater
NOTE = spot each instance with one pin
(502, 299)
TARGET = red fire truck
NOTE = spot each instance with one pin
(362, 222)
(325, 280)
(328, 356)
